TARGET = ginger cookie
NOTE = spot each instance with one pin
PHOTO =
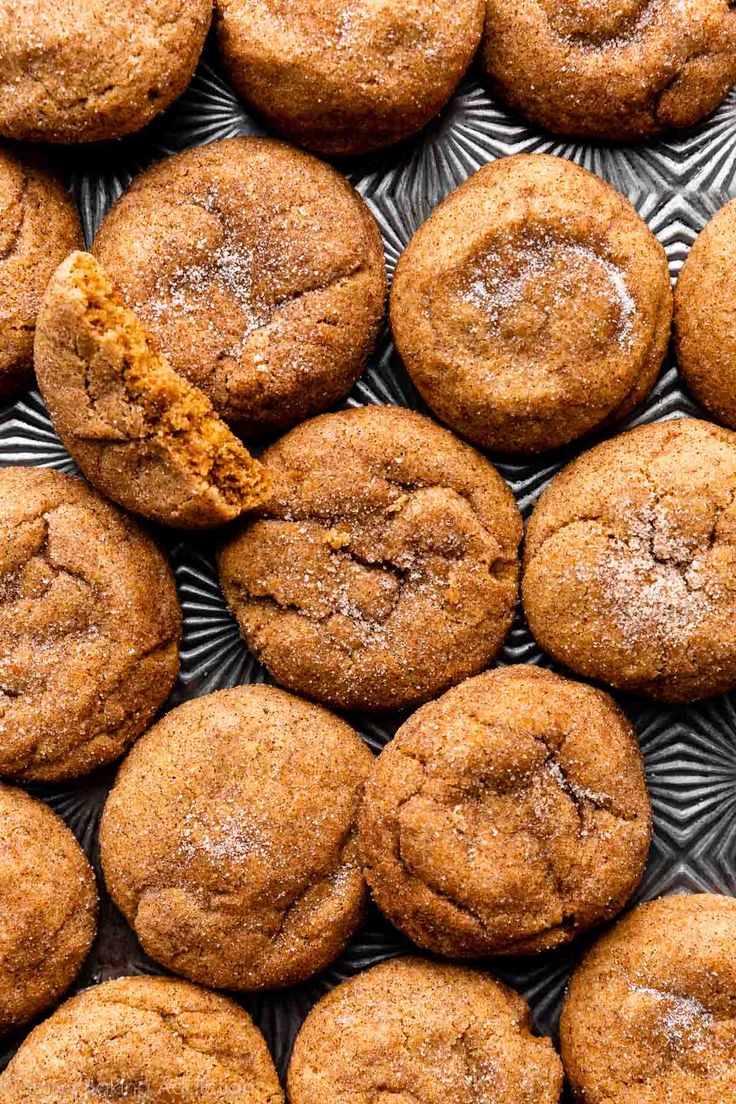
(348, 76)
(614, 69)
(48, 905)
(649, 1015)
(383, 569)
(260, 272)
(88, 70)
(630, 562)
(507, 816)
(533, 307)
(229, 840)
(411, 1029)
(39, 225)
(89, 627)
(149, 1039)
(141, 434)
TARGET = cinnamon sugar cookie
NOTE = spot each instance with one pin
(507, 816)
(649, 1016)
(613, 69)
(630, 562)
(383, 569)
(533, 306)
(260, 272)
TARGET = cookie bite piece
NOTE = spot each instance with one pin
(613, 70)
(141, 433)
(533, 306)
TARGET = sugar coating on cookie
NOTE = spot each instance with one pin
(412, 1029)
(89, 627)
(260, 272)
(614, 69)
(652, 1006)
(507, 816)
(88, 70)
(39, 225)
(141, 434)
(148, 1039)
(383, 569)
(348, 76)
(48, 904)
(630, 561)
(533, 306)
(229, 839)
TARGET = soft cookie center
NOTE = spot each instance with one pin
(600, 22)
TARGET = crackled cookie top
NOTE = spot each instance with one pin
(258, 269)
(507, 816)
(613, 69)
(630, 562)
(148, 1040)
(414, 1030)
(649, 1015)
(533, 306)
(86, 657)
(229, 843)
(384, 567)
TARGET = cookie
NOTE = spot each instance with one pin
(615, 69)
(384, 567)
(229, 842)
(39, 225)
(411, 1030)
(148, 1039)
(630, 562)
(89, 627)
(347, 77)
(140, 433)
(88, 70)
(649, 1015)
(48, 904)
(260, 272)
(507, 816)
(533, 307)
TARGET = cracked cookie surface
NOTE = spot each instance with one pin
(507, 816)
(649, 1014)
(415, 1031)
(152, 1040)
(616, 69)
(533, 307)
(384, 567)
(229, 840)
(630, 562)
(86, 657)
(141, 434)
(260, 272)
(48, 906)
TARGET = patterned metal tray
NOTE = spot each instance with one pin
(676, 183)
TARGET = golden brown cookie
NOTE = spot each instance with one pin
(48, 907)
(414, 1030)
(384, 567)
(533, 306)
(229, 840)
(649, 1016)
(259, 270)
(152, 1040)
(612, 69)
(86, 70)
(140, 433)
(89, 627)
(39, 225)
(630, 562)
(507, 816)
(348, 76)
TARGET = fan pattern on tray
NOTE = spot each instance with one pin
(676, 183)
